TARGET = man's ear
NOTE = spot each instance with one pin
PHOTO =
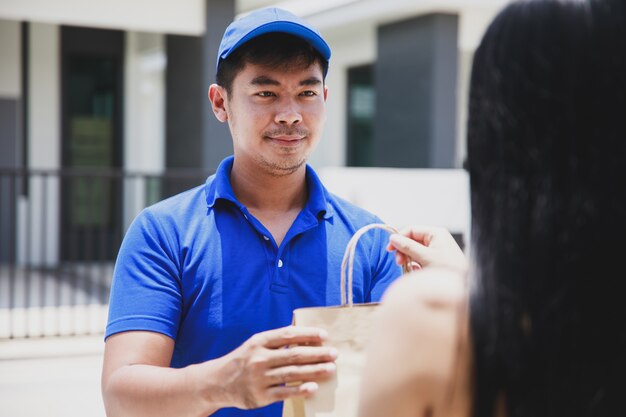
(325, 92)
(217, 96)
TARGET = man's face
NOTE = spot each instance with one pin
(276, 116)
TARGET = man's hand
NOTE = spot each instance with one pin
(276, 365)
(427, 246)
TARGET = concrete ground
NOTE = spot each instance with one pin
(53, 377)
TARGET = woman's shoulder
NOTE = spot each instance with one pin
(428, 309)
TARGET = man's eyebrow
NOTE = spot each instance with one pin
(311, 81)
(264, 80)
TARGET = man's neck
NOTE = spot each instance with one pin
(264, 192)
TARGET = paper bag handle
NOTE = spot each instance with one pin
(348, 260)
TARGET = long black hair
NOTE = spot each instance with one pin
(547, 164)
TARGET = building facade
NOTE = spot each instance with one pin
(103, 110)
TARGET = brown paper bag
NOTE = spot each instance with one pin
(348, 326)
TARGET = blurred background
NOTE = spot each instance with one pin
(103, 110)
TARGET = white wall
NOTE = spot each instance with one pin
(144, 99)
(10, 62)
(44, 80)
(403, 196)
(144, 113)
(44, 147)
(184, 17)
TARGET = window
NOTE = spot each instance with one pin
(361, 113)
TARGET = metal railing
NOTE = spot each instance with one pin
(60, 231)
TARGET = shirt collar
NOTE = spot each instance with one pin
(218, 188)
(318, 202)
(218, 185)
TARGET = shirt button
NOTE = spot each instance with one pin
(266, 238)
(280, 263)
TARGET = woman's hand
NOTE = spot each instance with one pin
(423, 246)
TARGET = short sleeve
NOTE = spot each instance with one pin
(146, 291)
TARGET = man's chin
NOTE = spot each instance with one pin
(283, 169)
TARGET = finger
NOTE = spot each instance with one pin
(300, 355)
(407, 262)
(421, 234)
(292, 335)
(301, 373)
(408, 247)
(401, 259)
(280, 393)
(309, 344)
(414, 266)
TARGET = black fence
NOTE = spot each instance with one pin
(60, 231)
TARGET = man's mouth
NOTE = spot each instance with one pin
(286, 140)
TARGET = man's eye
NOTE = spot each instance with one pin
(309, 93)
(265, 94)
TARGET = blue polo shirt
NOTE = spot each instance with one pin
(201, 269)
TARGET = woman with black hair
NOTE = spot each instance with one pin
(537, 326)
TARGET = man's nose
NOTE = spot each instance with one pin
(288, 113)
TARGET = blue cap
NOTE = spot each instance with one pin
(262, 21)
